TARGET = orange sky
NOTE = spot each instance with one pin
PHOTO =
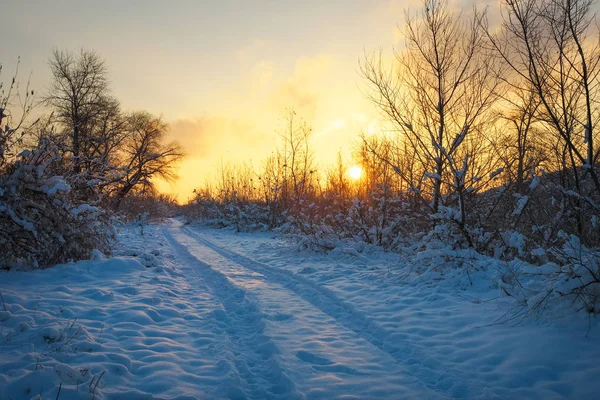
(223, 73)
(244, 126)
(239, 121)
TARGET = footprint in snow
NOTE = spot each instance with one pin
(342, 369)
(323, 364)
(279, 317)
(312, 358)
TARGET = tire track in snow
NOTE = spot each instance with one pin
(252, 353)
(418, 361)
(324, 359)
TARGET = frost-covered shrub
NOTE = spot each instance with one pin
(158, 206)
(40, 223)
(379, 219)
(579, 274)
(567, 274)
(244, 216)
(544, 208)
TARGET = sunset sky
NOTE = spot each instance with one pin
(222, 73)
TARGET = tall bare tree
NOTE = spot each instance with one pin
(78, 94)
(549, 48)
(297, 157)
(519, 138)
(437, 94)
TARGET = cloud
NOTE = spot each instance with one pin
(206, 136)
(246, 117)
(208, 141)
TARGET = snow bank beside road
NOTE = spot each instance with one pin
(184, 312)
(107, 329)
(453, 325)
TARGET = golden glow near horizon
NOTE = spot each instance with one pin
(316, 75)
(355, 172)
(222, 76)
(322, 92)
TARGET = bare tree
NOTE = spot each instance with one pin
(15, 108)
(443, 85)
(337, 180)
(271, 180)
(520, 139)
(145, 156)
(78, 95)
(104, 135)
(548, 47)
(298, 160)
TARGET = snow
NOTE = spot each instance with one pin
(187, 312)
(496, 173)
(521, 203)
(84, 208)
(534, 183)
(460, 138)
(515, 240)
(55, 184)
(433, 175)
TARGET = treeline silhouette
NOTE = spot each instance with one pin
(64, 172)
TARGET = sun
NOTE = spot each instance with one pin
(355, 172)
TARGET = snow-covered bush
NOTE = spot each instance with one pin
(568, 274)
(158, 206)
(40, 222)
(579, 276)
(243, 215)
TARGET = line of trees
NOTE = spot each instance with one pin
(64, 173)
(476, 118)
(490, 143)
(122, 151)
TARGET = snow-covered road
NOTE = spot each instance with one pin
(191, 313)
(290, 338)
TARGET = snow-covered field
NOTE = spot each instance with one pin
(186, 312)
